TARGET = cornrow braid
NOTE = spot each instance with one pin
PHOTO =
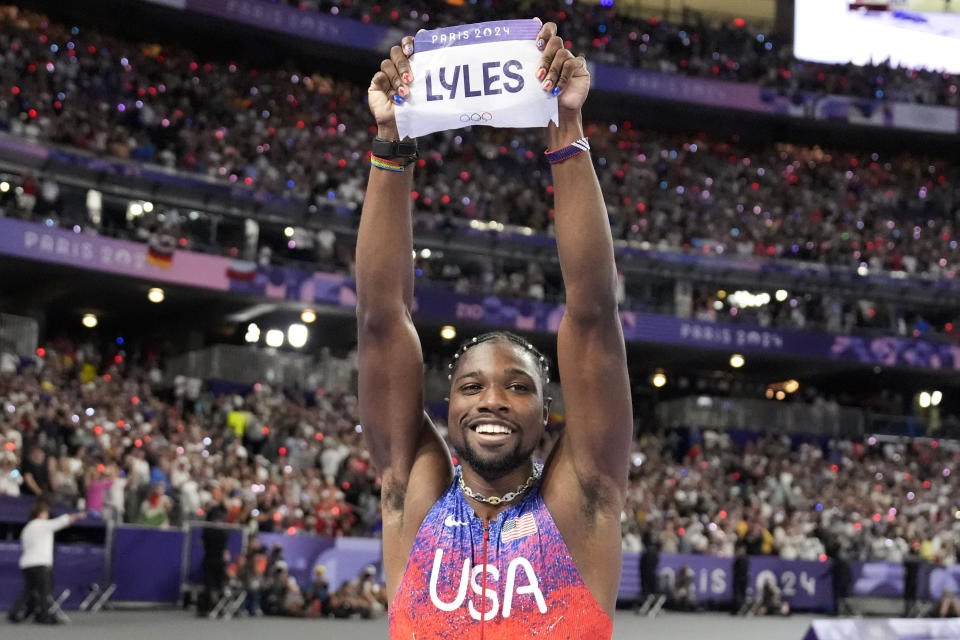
(542, 361)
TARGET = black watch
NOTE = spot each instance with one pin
(405, 150)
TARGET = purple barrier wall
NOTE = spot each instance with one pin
(344, 558)
(876, 579)
(147, 563)
(804, 584)
(941, 578)
(75, 567)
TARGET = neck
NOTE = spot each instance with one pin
(495, 487)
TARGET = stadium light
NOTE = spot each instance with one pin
(288, 232)
(659, 379)
(4, 186)
(781, 395)
(147, 207)
(274, 338)
(89, 320)
(308, 316)
(425, 253)
(297, 335)
(791, 386)
(155, 295)
(737, 361)
(782, 295)
(924, 399)
(253, 333)
(448, 332)
(935, 398)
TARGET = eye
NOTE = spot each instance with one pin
(518, 386)
(471, 387)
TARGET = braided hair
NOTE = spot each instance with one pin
(542, 361)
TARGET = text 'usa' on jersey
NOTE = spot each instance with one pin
(527, 585)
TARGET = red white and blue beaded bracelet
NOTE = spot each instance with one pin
(575, 147)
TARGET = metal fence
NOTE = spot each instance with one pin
(250, 364)
(762, 415)
(19, 334)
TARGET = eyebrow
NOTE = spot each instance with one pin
(509, 371)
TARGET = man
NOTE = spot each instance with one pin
(36, 563)
(36, 471)
(741, 578)
(214, 538)
(498, 545)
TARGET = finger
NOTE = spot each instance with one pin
(407, 44)
(553, 74)
(389, 69)
(381, 82)
(547, 31)
(550, 49)
(399, 57)
(571, 68)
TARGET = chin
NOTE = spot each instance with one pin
(493, 467)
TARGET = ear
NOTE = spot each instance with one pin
(547, 402)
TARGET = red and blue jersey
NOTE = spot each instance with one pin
(512, 577)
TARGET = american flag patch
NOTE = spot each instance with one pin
(516, 528)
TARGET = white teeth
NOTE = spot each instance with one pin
(491, 428)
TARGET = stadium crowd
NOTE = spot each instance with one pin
(286, 133)
(279, 132)
(97, 430)
(698, 46)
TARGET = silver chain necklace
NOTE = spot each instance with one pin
(507, 497)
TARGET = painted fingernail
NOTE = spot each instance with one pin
(397, 98)
(546, 85)
(540, 43)
(402, 91)
(408, 49)
(540, 73)
(406, 77)
(556, 91)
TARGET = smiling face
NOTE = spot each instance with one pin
(497, 408)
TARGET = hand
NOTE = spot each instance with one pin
(567, 75)
(391, 85)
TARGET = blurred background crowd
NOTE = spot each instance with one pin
(98, 431)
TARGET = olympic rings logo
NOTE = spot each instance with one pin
(476, 117)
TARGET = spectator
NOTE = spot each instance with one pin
(214, 538)
(741, 578)
(155, 509)
(771, 600)
(948, 606)
(36, 471)
(36, 563)
(10, 478)
(318, 597)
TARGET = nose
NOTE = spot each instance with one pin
(493, 400)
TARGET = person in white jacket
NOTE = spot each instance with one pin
(36, 563)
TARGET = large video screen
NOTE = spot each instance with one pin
(918, 34)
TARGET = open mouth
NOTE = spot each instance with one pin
(492, 432)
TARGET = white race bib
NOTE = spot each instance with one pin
(476, 74)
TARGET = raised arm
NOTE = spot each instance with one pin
(390, 359)
(590, 348)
